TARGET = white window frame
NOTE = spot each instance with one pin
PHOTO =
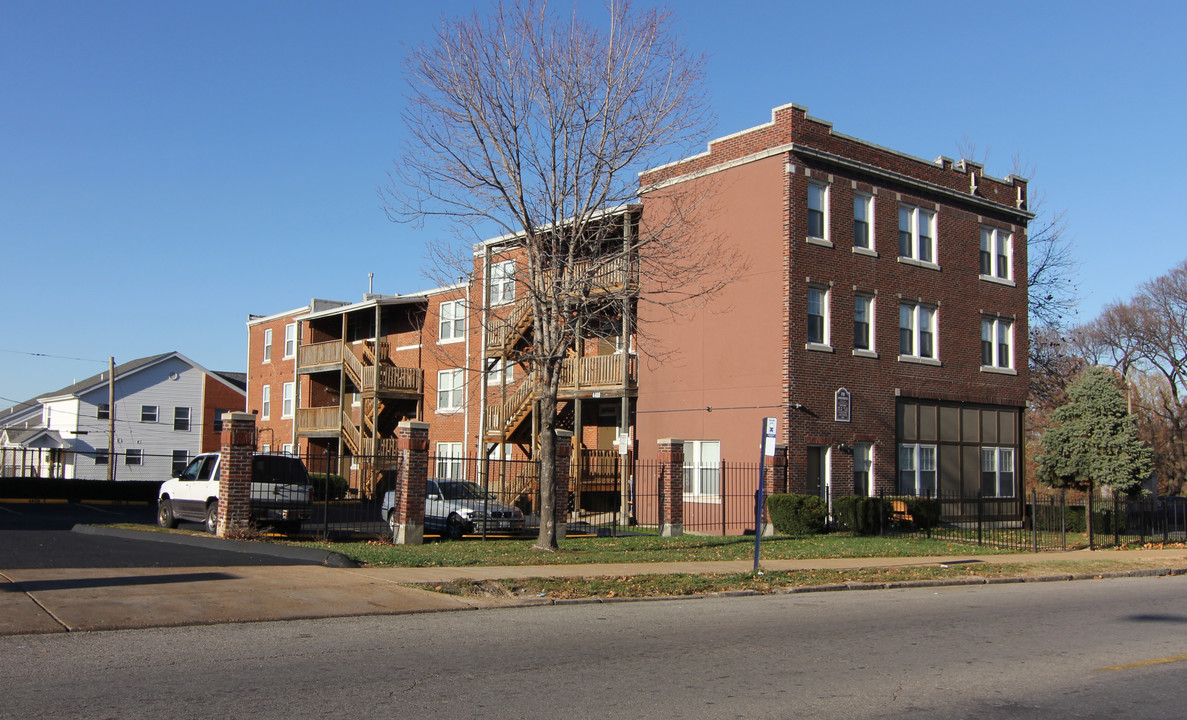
(179, 417)
(914, 315)
(102, 411)
(818, 195)
(451, 387)
(101, 456)
(702, 470)
(502, 282)
(997, 255)
(287, 449)
(918, 473)
(449, 462)
(863, 204)
(914, 244)
(822, 292)
(287, 399)
(497, 372)
(997, 463)
(290, 341)
(451, 324)
(863, 462)
(149, 417)
(268, 345)
(133, 456)
(997, 335)
(266, 403)
(868, 301)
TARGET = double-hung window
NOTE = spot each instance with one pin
(818, 324)
(502, 282)
(133, 457)
(450, 464)
(452, 327)
(997, 336)
(702, 469)
(863, 322)
(268, 345)
(286, 400)
(450, 387)
(917, 469)
(917, 331)
(997, 472)
(997, 249)
(148, 413)
(818, 211)
(181, 458)
(266, 402)
(917, 234)
(499, 372)
(181, 419)
(290, 340)
(103, 411)
(863, 221)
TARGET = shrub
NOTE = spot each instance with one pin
(860, 515)
(797, 515)
(328, 487)
(924, 512)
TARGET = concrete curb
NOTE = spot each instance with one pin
(311, 556)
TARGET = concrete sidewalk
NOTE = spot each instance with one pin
(64, 600)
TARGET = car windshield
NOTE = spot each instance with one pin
(462, 491)
(278, 469)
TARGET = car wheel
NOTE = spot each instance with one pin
(392, 520)
(455, 527)
(165, 516)
(212, 517)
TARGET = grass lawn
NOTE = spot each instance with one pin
(640, 549)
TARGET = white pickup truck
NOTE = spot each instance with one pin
(280, 492)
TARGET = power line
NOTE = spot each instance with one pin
(48, 355)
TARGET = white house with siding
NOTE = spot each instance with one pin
(167, 409)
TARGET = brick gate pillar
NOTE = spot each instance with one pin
(671, 487)
(564, 454)
(412, 447)
(237, 445)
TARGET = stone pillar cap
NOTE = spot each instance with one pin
(237, 415)
(414, 425)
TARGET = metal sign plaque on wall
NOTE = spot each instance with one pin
(844, 404)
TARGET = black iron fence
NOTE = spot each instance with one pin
(718, 499)
(1038, 522)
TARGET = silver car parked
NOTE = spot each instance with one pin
(454, 508)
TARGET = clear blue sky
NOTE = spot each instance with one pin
(167, 168)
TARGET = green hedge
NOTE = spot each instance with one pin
(861, 515)
(797, 515)
(331, 487)
(924, 512)
(1102, 518)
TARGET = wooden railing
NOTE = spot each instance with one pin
(323, 353)
(394, 378)
(611, 277)
(595, 372)
(318, 418)
(351, 434)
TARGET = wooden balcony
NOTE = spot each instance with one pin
(506, 330)
(366, 375)
(580, 377)
(318, 420)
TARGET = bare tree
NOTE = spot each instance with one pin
(1145, 339)
(533, 125)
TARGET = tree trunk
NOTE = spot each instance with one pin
(547, 539)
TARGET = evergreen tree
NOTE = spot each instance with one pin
(1093, 439)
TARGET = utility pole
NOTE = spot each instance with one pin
(111, 419)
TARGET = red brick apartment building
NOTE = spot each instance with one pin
(882, 320)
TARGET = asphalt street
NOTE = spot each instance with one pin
(1041, 651)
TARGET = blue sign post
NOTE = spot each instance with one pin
(769, 425)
